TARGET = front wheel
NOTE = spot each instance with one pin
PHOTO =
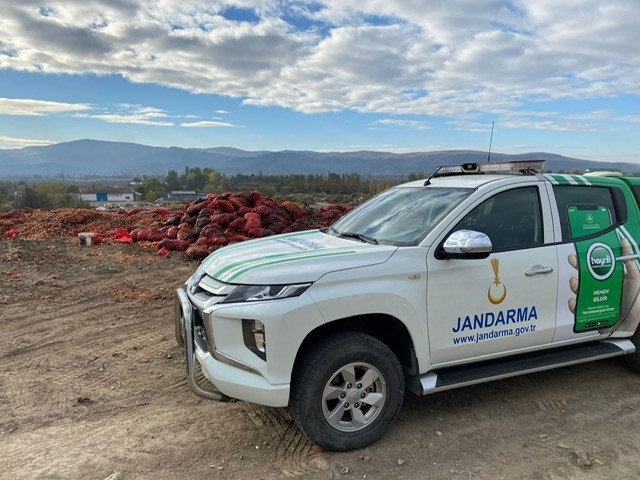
(347, 391)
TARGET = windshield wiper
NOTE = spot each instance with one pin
(329, 231)
(359, 236)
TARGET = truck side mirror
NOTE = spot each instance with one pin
(467, 244)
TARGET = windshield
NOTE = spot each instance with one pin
(400, 216)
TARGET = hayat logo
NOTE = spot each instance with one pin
(497, 291)
(600, 261)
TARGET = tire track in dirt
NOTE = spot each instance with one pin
(68, 326)
(7, 414)
(27, 397)
(73, 337)
(538, 434)
(292, 451)
(53, 311)
(276, 428)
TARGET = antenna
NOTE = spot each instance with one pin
(491, 141)
(427, 182)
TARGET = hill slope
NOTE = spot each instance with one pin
(86, 157)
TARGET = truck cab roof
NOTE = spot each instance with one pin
(468, 181)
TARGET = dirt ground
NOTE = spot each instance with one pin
(92, 386)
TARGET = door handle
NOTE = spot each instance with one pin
(538, 270)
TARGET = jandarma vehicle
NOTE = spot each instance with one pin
(480, 272)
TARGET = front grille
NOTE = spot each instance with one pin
(207, 292)
(214, 287)
(205, 340)
(200, 336)
(201, 333)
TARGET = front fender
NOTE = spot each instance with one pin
(397, 290)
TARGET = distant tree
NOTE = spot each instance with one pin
(213, 181)
(172, 180)
(56, 193)
(152, 189)
(381, 186)
(419, 175)
(196, 179)
(210, 180)
(31, 198)
(267, 189)
(48, 195)
(7, 188)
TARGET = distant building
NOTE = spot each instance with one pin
(184, 196)
(108, 195)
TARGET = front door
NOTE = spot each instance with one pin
(504, 303)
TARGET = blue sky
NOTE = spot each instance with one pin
(407, 75)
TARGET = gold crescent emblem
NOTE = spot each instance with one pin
(497, 291)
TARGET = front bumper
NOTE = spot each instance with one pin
(230, 378)
(185, 337)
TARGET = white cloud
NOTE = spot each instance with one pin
(134, 119)
(207, 123)
(221, 112)
(412, 124)
(13, 142)
(540, 148)
(134, 114)
(125, 113)
(593, 121)
(552, 125)
(401, 57)
(628, 119)
(26, 106)
(554, 121)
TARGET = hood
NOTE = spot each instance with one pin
(291, 258)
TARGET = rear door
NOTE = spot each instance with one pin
(592, 217)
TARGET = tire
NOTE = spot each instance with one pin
(347, 391)
(633, 359)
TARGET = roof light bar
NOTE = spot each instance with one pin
(505, 168)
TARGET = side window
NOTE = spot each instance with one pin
(584, 210)
(636, 190)
(511, 219)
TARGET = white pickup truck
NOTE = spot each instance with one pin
(481, 272)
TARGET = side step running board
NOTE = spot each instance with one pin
(454, 377)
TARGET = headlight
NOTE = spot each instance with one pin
(258, 293)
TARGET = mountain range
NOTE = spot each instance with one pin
(94, 157)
